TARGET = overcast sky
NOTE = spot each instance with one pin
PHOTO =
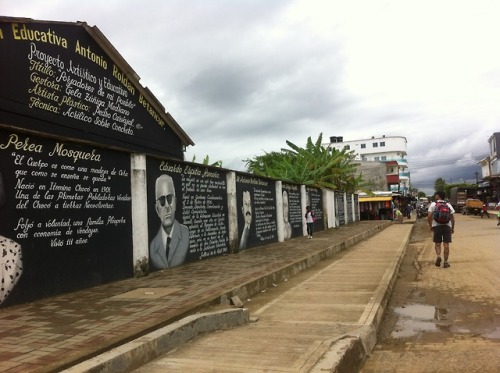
(241, 77)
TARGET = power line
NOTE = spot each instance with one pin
(442, 161)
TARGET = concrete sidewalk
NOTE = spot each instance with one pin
(325, 323)
(59, 333)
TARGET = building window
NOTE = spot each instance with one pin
(347, 147)
(384, 158)
(363, 146)
(377, 158)
(375, 144)
(382, 143)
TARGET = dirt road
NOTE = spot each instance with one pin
(444, 320)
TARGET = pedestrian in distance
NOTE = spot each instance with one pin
(399, 216)
(310, 221)
(408, 211)
(485, 211)
(442, 223)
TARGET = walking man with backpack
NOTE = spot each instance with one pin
(442, 223)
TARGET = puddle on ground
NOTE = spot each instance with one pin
(495, 334)
(417, 318)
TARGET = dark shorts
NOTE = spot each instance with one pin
(442, 233)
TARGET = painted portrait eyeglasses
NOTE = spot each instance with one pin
(165, 199)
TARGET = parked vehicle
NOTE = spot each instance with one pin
(459, 195)
(472, 206)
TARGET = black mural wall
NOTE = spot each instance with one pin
(314, 198)
(68, 207)
(340, 212)
(72, 116)
(292, 210)
(71, 113)
(198, 214)
(256, 208)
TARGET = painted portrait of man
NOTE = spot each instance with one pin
(286, 212)
(171, 244)
(246, 210)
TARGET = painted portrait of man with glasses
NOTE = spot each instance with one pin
(171, 244)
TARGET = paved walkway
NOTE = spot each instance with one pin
(325, 323)
(58, 333)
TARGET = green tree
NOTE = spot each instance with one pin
(421, 194)
(206, 162)
(439, 185)
(313, 165)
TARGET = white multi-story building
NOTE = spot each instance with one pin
(490, 169)
(390, 150)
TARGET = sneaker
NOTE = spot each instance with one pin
(438, 261)
(446, 265)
